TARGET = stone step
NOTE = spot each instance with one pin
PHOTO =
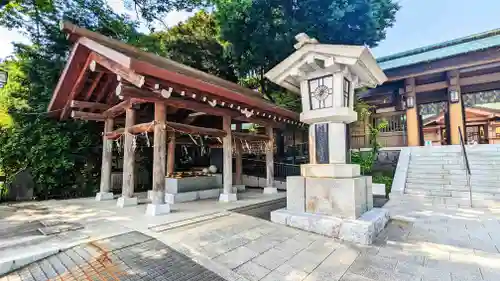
(444, 171)
(426, 176)
(449, 179)
(436, 162)
(453, 194)
(437, 166)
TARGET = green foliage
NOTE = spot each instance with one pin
(262, 32)
(383, 179)
(195, 43)
(64, 156)
(364, 159)
(374, 133)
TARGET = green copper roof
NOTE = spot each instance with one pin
(442, 50)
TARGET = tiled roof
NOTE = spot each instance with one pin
(442, 50)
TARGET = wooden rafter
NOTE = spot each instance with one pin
(120, 70)
(93, 86)
(88, 105)
(77, 87)
(139, 95)
(102, 91)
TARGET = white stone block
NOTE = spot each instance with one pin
(126, 201)
(228, 197)
(181, 197)
(279, 216)
(378, 189)
(270, 190)
(345, 198)
(362, 231)
(296, 194)
(330, 170)
(104, 196)
(369, 193)
(157, 209)
(207, 194)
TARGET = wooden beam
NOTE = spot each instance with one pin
(159, 154)
(87, 116)
(238, 157)
(171, 154)
(431, 87)
(270, 162)
(126, 73)
(177, 127)
(106, 166)
(227, 161)
(480, 79)
(250, 137)
(118, 109)
(77, 87)
(141, 95)
(92, 87)
(128, 182)
(88, 105)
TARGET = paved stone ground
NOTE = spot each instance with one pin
(131, 256)
(260, 250)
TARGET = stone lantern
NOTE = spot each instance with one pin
(330, 197)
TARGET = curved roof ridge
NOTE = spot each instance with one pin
(440, 45)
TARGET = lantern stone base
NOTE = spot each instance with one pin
(340, 206)
(362, 230)
(104, 196)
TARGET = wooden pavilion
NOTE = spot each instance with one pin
(135, 92)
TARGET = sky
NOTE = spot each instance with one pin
(418, 23)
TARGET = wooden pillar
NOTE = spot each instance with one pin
(159, 153)
(158, 205)
(238, 152)
(270, 189)
(227, 162)
(107, 157)
(171, 154)
(455, 109)
(128, 184)
(412, 124)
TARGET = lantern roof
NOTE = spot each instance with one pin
(311, 56)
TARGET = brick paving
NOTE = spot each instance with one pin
(131, 256)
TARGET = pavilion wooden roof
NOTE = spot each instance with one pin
(100, 68)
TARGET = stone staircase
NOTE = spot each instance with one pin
(440, 172)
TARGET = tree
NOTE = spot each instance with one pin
(64, 156)
(195, 43)
(261, 32)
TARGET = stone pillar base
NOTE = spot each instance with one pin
(104, 196)
(228, 197)
(362, 230)
(157, 209)
(126, 201)
(270, 190)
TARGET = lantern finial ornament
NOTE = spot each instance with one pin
(325, 77)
